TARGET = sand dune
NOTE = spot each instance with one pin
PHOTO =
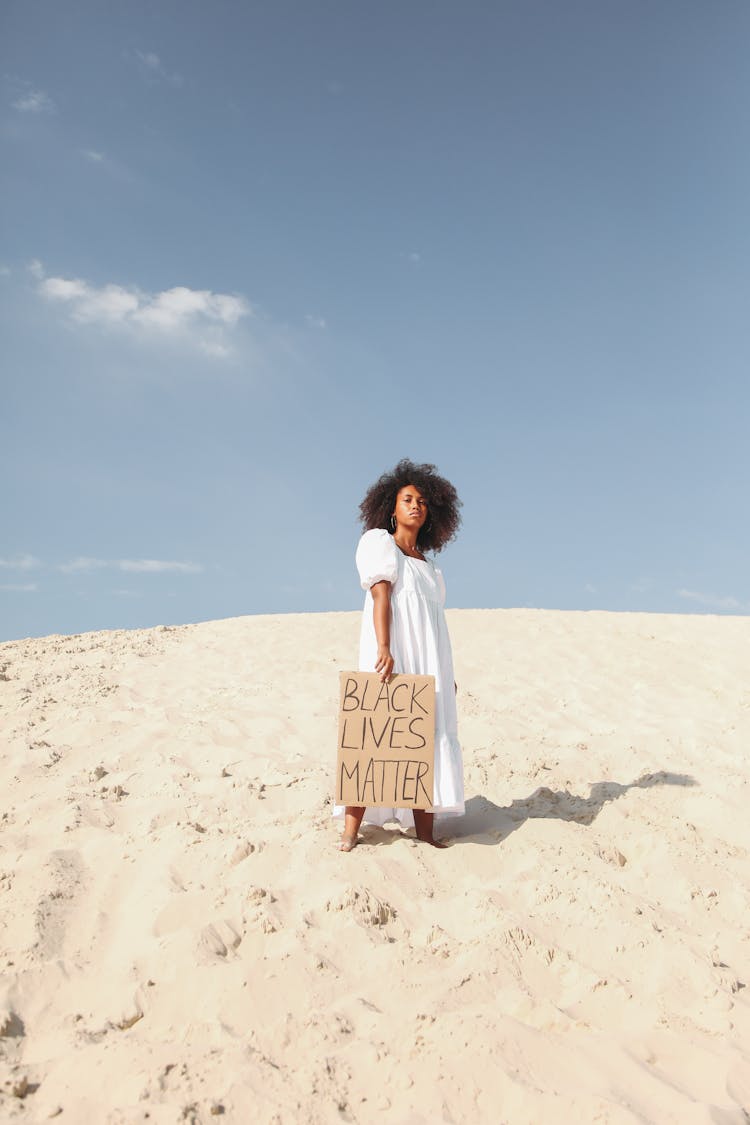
(180, 939)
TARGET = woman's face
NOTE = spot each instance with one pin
(411, 508)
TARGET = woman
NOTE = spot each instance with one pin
(407, 512)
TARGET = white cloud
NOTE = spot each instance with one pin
(63, 290)
(172, 307)
(19, 588)
(158, 566)
(414, 257)
(82, 563)
(713, 601)
(152, 68)
(95, 158)
(20, 562)
(5, 271)
(109, 303)
(214, 348)
(139, 566)
(315, 321)
(34, 101)
(179, 311)
(150, 60)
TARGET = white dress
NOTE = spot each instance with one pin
(419, 644)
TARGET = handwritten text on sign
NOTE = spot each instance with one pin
(386, 751)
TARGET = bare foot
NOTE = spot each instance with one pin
(423, 822)
(352, 821)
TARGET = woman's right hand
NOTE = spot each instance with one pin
(384, 663)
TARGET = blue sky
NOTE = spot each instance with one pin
(254, 253)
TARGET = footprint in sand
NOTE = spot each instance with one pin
(176, 881)
(612, 855)
(439, 944)
(242, 851)
(367, 908)
(218, 940)
(11, 1025)
(53, 908)
(96, 817)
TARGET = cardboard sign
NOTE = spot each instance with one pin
(386, 746)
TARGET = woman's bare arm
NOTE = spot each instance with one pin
(381, 615)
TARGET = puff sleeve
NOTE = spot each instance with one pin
(376, 558)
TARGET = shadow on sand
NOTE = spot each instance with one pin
(487, 823)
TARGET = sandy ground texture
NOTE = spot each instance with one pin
(180, 940)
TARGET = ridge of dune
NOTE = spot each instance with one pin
(181, 940)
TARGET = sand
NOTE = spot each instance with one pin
(181, 941)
